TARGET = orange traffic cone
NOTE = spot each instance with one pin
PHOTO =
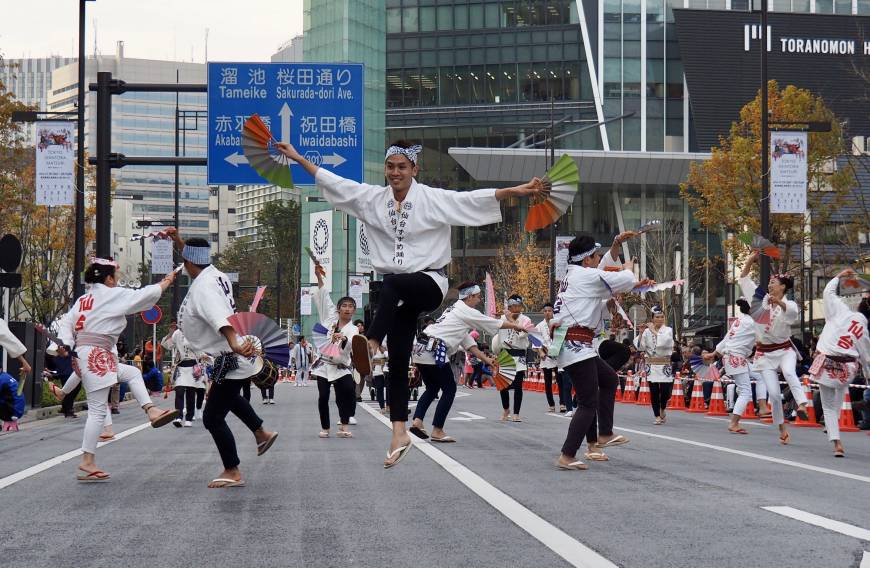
(696, 404)
(644, 396)
(618, 397)
(847, 419)
(678, 398)
(811, 409)
(749, 413)
(540, 380)
(717, 401)
(629, 395)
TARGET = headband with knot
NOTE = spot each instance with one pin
(518, 301)
(197, 255)
(470, 291)
(410, 153)
(584, 255)
(103, 261)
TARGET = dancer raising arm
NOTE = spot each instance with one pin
(773, 349)
(843, 345)
(734, 348)
(408, 227)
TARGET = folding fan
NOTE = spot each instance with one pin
(653, 286)
(713, 373)
(560, 185)
(854, 284)
(534, 336)
(259, 148)
(760, 244)
(696, 363)
(649, 226)
(322, 340)
(506, 370)
(558, 340)
(269, 339)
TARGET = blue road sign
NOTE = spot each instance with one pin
(153, 315)
(317, 107)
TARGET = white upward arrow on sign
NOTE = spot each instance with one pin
(286, 114)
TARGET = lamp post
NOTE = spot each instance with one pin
(79, 256)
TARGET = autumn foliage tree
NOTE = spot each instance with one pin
(725, 191)
(522, 268)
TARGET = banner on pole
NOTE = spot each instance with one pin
(161, 256)
(562, 256)
(305, 301)
(788, 172)
(490, 296)
(363, 254)
(356, 287)
(55, 163)
(320, 241)
(258, 295)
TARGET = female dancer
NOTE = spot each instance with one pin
(734, 349)
(843, 345)
(184, 362)
(92, 326)
(443, 339)
(579, 308)
(773, 349)
(548, 364)
(514, 340)
(657, 341)
(335, 371)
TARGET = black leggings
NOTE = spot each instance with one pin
(200, 398)
(345, 399)
(660, 393)
(378, 384)
(184, 397)
(224, 398)
(267, 393)
(595, 383)
(517, 387)
(548, 385)
(419, 293)
(436, 378)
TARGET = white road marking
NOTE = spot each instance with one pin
(567, 547)
(824, 522)
(57, 460)
(799, 465)
(865, 560)
(467, 417)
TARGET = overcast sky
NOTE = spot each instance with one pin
(239, 30)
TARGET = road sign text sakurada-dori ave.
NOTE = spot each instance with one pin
(317, 107)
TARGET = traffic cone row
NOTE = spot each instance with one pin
(629, 395)
(696, 404)
(678, 399)
(717, 400)
(644, 396)
(847, 420)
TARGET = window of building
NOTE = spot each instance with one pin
(475, 16)
(845, 7)
(445, 18)
(410, 21)
(394, 20)
(231, 210)
(824, 6)
(494, 16)
(213, 237)
(427, 19)
(460, 17)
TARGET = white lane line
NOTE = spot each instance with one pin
(567, 547)
(824, 522)
(57, 460)
(865, 560)
(799, 465)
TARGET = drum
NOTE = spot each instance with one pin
(266, 374)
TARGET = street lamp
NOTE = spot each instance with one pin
(79, 257)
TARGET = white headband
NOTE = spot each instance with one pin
(470, 291)
(197, 255)
(587, 254)
(103, 261)
(515, 302)
(410, 153)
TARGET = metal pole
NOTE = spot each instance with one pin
(104, 172)
(176, 211)
(278, 292)
(551, 141)
(79, 256)
(154, 344)
(765, 150)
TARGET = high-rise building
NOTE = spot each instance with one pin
(290, 52)
(29, 80)
(144, 124)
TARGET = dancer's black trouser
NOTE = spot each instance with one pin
(419, 293)
(595, 384)
(549, 374)
(224, 398)
(517, 387)
(660, 395)
(345, 399)
(185, 396)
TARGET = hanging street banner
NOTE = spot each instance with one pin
(363, 254)
(356, 287)
(316, 107)
(161, 256)
(788, 172)
(320, 242)
(55, 163)
(305, 301)
(562, 256)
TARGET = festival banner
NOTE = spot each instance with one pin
(55, 163)
(788, 172)
(356, 287)
(161, 255)
(562, 256)
(320, 242)
(305, 301)
(490, 296)
(363, 253)
(258, 295)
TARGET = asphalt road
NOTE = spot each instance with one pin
(684, 494)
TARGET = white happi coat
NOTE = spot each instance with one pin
(579, 303)
(102, 312)
(737, 344)
(544, 329)
(453, 327)
(777, 330)
(658, 344)
(181, 351)
(204, 311)
(416, 238)
(14, 348)
(845, 334)
(324, 367)
(513, 339)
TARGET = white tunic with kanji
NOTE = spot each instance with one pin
(737, 344)
(101, 314)
(416, 238)
(658, 344)
(453, 327)
(845, 334)
(181, 351)
(774, 328)
(512, 339)
(543, 328)
(324, 367)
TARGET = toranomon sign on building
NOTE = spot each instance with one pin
(810, 44)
